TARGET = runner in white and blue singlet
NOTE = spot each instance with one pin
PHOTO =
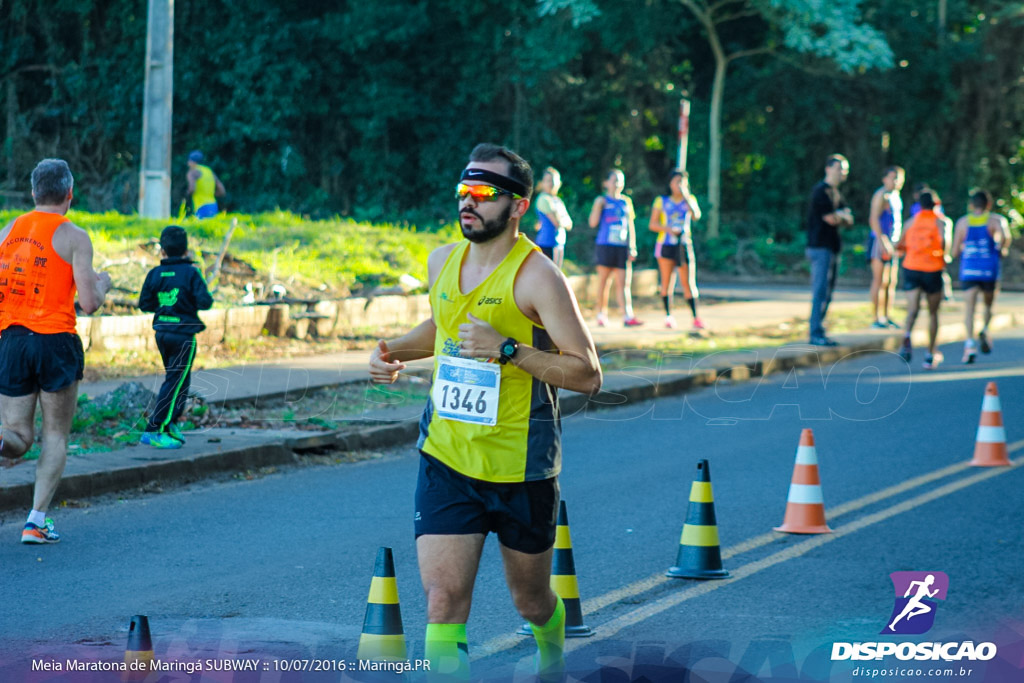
(981, 238)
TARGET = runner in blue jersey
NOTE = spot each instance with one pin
(979, 240)
(613, 216)
(671, 217)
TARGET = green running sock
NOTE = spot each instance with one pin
(551, 642)
(447, 650)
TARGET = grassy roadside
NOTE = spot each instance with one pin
(840, 320)
(329, 257)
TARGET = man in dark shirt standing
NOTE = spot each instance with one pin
(826, 214)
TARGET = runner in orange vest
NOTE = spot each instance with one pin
(924, 247)
(44, 259)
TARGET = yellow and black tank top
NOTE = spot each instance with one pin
(525, 443)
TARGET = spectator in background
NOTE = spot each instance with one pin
(552, 218)
(203, 187)
(827, 212)
(981, 238)
(886, 221)
(671, 218)
(44, 259)
(614, 217)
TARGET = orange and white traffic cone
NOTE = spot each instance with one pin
(805, 506)
(990, 444)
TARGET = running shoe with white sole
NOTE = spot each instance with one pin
(970, 349)
(33, 534)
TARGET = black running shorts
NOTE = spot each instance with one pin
(611, 256)
(523, 515)
(31, 362)
(931, 283)
(983, 285)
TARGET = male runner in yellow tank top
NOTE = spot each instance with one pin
(505, 332)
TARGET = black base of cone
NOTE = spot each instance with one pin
(683, 573)
(582, 631)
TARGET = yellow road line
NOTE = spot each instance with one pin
(643, 585)
(612, 627)
(502, 643)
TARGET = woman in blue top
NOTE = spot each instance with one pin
(552, 218)
(886, 221)
(671, 217)
(613, 216)
(980, 239)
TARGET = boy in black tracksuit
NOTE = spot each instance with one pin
(175, 291)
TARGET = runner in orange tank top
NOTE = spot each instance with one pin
(924, 247)
(44, 260)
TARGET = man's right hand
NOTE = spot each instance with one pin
(382, 369)
(104, 281)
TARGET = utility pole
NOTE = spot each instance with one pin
(157, 112)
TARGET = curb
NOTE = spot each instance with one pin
(289, 450)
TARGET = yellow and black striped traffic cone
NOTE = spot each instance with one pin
(383, 639)
(699, 555)
(563, 581)
(138, 655)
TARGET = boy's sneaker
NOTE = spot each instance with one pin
(889, 322)
(670, 322)
(175, 433)
(932, 361)
(40, 534)
(986, 346)
(698, 324)
(905, 352)
(969, 351)
(632, 322)
(602, 320)
(879, 325)
(159, 440)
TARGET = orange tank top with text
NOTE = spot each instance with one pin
(924, 243)
(37, 286)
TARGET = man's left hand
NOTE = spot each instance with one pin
(479, 339)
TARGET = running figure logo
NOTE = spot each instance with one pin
(916, 595)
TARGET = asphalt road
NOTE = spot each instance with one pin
(279, 566)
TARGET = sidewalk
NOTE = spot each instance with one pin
(651, 375)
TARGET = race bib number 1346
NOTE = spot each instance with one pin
(466, 390)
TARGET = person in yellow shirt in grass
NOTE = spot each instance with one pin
(203, 187)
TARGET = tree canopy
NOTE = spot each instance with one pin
(369, 109)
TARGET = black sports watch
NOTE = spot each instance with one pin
(508, 349)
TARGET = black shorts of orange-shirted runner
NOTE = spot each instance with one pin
(32, 362)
